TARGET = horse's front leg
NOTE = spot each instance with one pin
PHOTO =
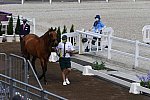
(44, 69)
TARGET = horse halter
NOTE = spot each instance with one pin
(53, 38)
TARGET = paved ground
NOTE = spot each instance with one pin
(81, 87)
(126, 18)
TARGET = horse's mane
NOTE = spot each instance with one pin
(48, 32)
(46, 36)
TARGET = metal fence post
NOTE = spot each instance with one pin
(26, 77)
(11, 88)
(6, 65)
(42, 94)
(10, 69)
(136, 53)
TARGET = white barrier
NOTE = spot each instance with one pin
(86, 70)
(73, 38)
(50, 1)
(146, 33)
(14, 37)
(135, 56)
(9, 38)
(30, 21)
(135, 88)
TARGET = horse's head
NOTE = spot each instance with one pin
(53, 37)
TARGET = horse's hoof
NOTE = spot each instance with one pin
(39, 78)
(45, 83)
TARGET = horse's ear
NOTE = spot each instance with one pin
(51, 29)
(55, 29)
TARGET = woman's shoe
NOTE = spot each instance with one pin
(67, 81)
(64, 83)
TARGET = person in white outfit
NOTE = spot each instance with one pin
(65, 49)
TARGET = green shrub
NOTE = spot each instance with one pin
(17, 29)
(72, 28)
(10, 26)
(58, 35)
(64, 30)
(97, 66)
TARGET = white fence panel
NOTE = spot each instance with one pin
(30, 21)
(146, 33)
(73, 38)
(133, 51)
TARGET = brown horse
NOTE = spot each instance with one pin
(40, 47)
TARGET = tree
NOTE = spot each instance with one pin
(0, 28)
(72, 28)
(10, 26)
(64, 30)
(58, 35)
(17, 29)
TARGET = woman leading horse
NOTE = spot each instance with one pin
(40, 47)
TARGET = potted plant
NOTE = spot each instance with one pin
(9, 35)
(64, 30)
(72, 28)
(145, 80)
(58, 35)
(17, 30)
(10, 26)
(97, 66)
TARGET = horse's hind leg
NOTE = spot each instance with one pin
(33, 64)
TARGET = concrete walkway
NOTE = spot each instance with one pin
(120, 71)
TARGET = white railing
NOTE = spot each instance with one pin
(31, 22)
(146, 33)
(138, 51)
(73, 38)
(136, 55)
(50, 1)
(9, 38)
(14, 37)
(105, 40)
